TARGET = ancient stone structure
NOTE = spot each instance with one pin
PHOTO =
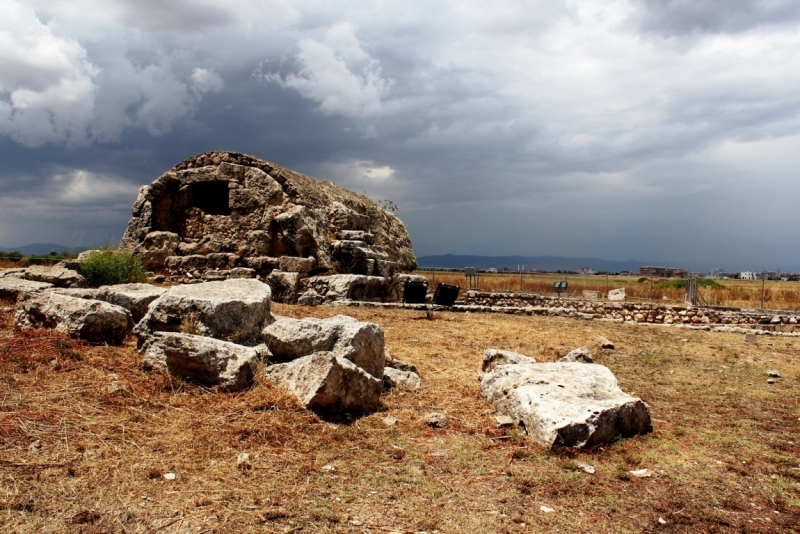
(225, 215)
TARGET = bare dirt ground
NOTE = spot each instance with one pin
(86, 438)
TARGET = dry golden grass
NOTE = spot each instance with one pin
(734, 293)
(724, 453)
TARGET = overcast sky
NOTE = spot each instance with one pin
(663, 130)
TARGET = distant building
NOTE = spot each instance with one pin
(750, 275)
(586, 271)
(663, 272)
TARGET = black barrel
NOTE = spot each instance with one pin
(414, 291)
(446, 294)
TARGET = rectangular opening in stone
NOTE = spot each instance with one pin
(211, 197)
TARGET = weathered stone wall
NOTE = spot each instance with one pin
(225, 215)
(638, 312)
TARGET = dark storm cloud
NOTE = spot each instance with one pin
(676, 17)
(524, 128)
(176, 15)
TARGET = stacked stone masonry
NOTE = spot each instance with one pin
(223, 215)
(623, 312)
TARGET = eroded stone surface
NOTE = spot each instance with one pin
(360, 342)
(58, 276)
(13, 273)
(234, 310)
(205, 360)
(395, 378)
(494, 357)
(92, 320)
(12, 287)
(79, 292)
(310, 298)
(323, 381)
(133, 297)
(400, 364)
(349, 287)
(566, 404)
(580, 355)
(284, 286)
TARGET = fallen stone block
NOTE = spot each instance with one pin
(401, 365)
(11, 287)
(92, 320)
(13, 273)
(395, 378)
(323, 381)
(234, 310)
(494, 357)
(580, 355)
(58, 276)
(435, 420)
(133, 297)
(360, 342)
(204, 360)
(604, 343)
(297, 265)
(310, 298)
(284, 286)
(616, 294)
(566, 404)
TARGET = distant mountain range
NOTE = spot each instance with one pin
(39, 248)
(541, 263)
(557, 263)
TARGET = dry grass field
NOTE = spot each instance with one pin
(735, 293)
(86, 438)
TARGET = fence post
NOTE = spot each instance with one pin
(763, 281)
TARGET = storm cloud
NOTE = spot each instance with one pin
(625, 129)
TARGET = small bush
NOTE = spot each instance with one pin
(681, 284)
(109, 267)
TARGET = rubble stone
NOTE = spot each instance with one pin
(92, 320)
(566, 404)
(360, 342)
(324, 381)
(205, 360)
(233, 310)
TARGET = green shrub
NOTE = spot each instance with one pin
(707, 282)
(109, 267)
(681, 284)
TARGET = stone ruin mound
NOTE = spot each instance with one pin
(223, 215)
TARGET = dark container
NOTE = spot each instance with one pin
(414, 292)
(446, 294)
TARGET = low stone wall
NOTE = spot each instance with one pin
(636, 312)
